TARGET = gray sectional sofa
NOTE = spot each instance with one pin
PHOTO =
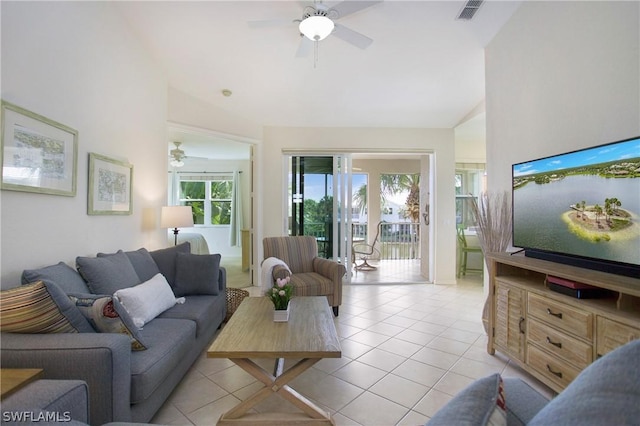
(48, 402)
(126, 385)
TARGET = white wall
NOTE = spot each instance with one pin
(79, 64)
(561, 76)
(438, 141)
(470, 136)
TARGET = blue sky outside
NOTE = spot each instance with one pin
(600, 154)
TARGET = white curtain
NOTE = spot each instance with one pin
(174, 188)
(236, 212)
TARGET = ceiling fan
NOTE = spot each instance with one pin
(318, 22)
(177, 155)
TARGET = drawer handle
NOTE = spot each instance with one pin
(550, 312)
(556, 344)
(520, 325)
(555, 373)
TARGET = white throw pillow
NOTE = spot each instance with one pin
(147, 300)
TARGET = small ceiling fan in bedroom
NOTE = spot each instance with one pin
(318, 21)
(177, 155)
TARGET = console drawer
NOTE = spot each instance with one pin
(611, 334)
(562, 316)
(551, 367)
(569, 349)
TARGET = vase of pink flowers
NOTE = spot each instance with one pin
(280, 294)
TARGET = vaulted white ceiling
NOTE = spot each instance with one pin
(424, 69)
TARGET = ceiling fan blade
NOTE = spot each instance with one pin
(352, 37)
(270, 23)
(348, 7)
(304, 48)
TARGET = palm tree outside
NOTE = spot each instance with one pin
(394, 184)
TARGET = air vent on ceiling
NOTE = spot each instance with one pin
(469, 9)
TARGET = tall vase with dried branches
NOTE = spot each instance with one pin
(492, 213)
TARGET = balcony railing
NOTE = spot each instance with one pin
(396, 240)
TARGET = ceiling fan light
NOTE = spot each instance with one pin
(316, 27)
(177, 155)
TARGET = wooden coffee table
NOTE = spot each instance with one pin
(309, 335)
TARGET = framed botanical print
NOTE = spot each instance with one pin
(110, 183)
(38, 154)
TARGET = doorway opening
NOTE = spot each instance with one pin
(385, 240)
(215, 178)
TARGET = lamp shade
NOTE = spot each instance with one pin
(176, 217)
(316, 27)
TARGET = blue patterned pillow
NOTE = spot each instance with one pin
(107, 315)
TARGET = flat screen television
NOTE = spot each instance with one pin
(581, 208)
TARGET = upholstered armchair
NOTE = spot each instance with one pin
(310, 275)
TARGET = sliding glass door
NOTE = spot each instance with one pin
(319, 200)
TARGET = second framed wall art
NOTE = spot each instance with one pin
(110, 184)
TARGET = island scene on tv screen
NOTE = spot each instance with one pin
(584, 203)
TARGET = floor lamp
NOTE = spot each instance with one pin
(176, 217)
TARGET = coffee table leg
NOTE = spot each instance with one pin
(278, 385)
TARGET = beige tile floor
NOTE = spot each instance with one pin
(407, 349)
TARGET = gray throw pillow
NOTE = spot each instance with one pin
(166, 260)
(481, 403)
(106, 275)
(197, 274)
(607, 392)
(61, 274)
(141, 261)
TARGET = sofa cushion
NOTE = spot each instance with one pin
(147, 300)
(169, 341)
(108, 274)
(204, 310)
(196, 274)
(61, 274)
(67, 399)
(166, 260)
(480, 403)
(523, 401)
(40, 308)
(107, 315)
(605, 393)
(142, 263)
